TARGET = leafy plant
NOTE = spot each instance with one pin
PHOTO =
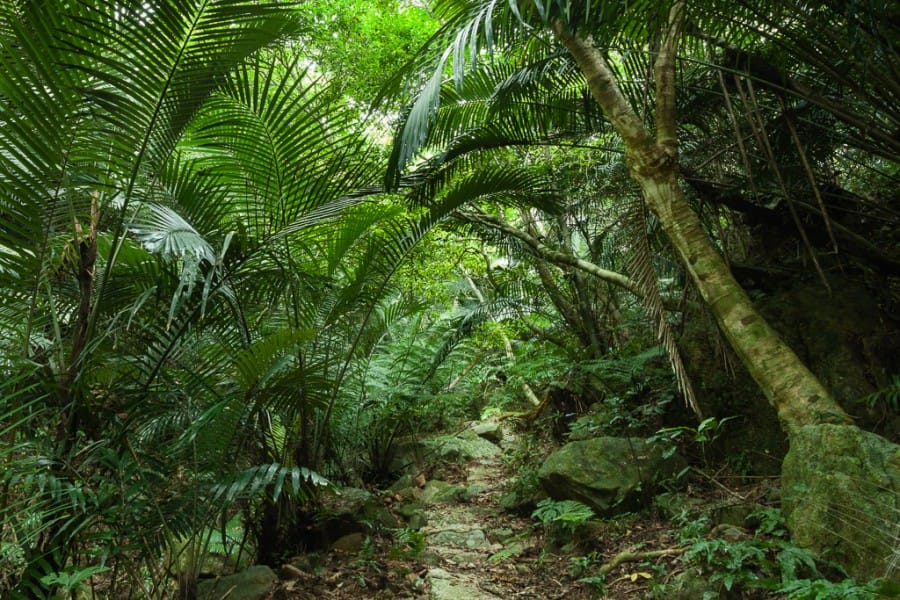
(708, 430)
(597, 583)
(728, 562)
(888, 397)
(579, 565)
(847, 589)
(71, 581)
(408, 543)
(568, 514)
(769, 561)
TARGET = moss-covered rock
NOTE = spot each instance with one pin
(414, 514)
(609, 474)
(349, 510)
(466, 445)
(441, 492)
(253, 584)
(492, 431)
(841, 488)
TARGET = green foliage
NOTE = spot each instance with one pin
(887, 398)
(847, 589)
(201, 309)
(408, 544)
(597, 583)
(769, 561)
(269, 480)
(579, 565)
(567, 514)
(707, 431)
(359, 42)
(70, 582)
(733, 563)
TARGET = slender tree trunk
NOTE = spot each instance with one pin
(797, 395)
(507, 344)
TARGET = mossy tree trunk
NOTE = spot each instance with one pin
(797, 395)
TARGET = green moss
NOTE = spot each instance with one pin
(842, 497)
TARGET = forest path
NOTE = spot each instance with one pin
(483, 552)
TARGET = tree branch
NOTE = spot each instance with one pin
(631, 556)
(551, 255)
(603, 87)
(664, 75)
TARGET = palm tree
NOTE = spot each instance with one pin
(195, 267)
(171, 294)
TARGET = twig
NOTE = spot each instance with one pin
(630, 556)
(727, 490)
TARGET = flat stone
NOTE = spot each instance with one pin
(474, 538)
(441, 491)
(253, 584)
(489, 430)
(445, 586)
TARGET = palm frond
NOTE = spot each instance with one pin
(642, 272)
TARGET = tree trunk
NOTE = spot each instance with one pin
(797, 395)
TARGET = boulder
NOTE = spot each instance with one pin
(352, 510)
(466, 445)
(412, 456)
(408, 456)
(414, 514)
(491, 431)
(253, 584)
(691, 584)
(608, 474)
(351, 543)
(841, 498)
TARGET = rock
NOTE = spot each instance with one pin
(841, 497)
(464, 446)
(349, 544)
(352, 510)
(410, 494)
(253, 584)
(426, 557)
(408, 456)
(690, 585)
(437, 492)
(606, 473)
(306, 562)
(522, 502)
(406, 480)
(414, 515)
(737, 515)
(417, 521)
(445, 586)
(491, 431)
(473, 490)
(472, 539)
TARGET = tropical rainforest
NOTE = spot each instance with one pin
(449, 299)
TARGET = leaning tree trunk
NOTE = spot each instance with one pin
(841, 485)
(797, 395)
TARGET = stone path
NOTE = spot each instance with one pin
(463, 536)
